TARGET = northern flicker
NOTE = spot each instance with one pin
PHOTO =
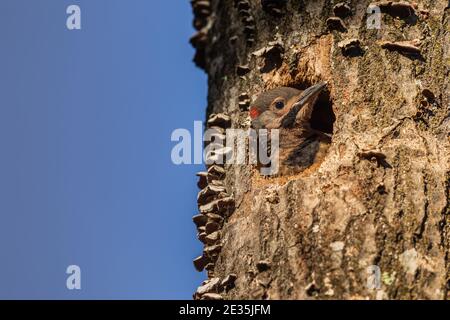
(290, 110)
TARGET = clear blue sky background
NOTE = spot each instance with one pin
(85, 171)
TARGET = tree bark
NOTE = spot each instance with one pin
(380, 197)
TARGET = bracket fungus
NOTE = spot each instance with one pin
(201, 236)
(215, 173)
(213, 238)
(244, 12)
(273, 7)
(220, 120)
(351, 48)
(210, 193)
(200, 262)
(401, 9)
(272, 56)
(212, 227)
(202, 13)
(263, 265)
(212, 251)
(214, 203)
(242, 70)
(409, 49)
(228, 282)
(218, 206)
(209, 286)
(244, 101)
(214, 218)
(336, 23)
(202, 181)
(212, 296)
(199, 220)
(342, 10)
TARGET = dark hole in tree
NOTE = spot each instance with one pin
(322, 119)
(323, 115)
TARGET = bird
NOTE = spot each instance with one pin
(290, 111)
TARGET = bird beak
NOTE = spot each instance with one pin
(306, 98)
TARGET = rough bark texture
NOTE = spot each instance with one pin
(381, 195)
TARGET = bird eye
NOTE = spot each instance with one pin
(279, 105)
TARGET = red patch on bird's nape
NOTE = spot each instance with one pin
(254, 112)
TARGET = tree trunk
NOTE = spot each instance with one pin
(371, 220)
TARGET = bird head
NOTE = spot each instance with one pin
(284, 107)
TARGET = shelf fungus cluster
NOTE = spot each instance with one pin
(202, 13)
(341, 11)
(401, 9)
(211, 289)
(242, 70)
(274, 7)
(271, 57)
(244, 101)
(215, 205)
(351, 47)
(407, 48)
(244, 11)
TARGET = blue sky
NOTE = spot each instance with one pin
(85, 171)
